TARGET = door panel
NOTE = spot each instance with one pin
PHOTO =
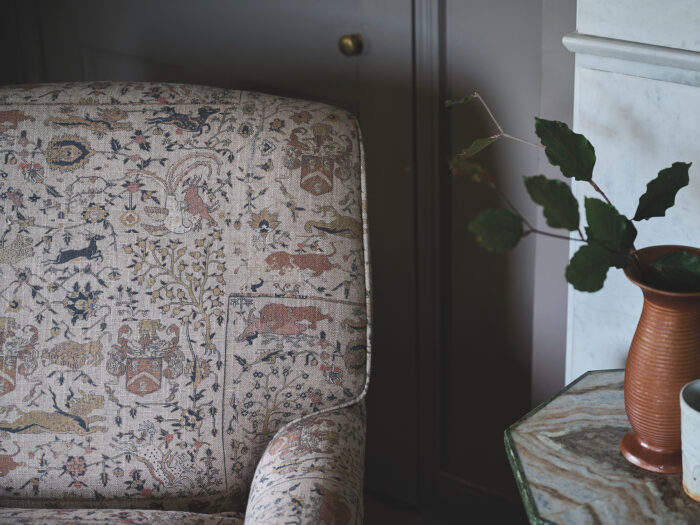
(290, 48)
(287, 47)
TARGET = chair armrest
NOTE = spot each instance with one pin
(312, 471)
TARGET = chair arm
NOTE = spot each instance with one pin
(312, 471)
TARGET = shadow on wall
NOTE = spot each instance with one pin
(486, 364)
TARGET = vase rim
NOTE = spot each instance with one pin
(664, 248)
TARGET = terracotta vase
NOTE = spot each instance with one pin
(664, 356)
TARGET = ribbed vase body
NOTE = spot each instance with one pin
(664, 356)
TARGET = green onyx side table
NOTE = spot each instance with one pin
(565, 455)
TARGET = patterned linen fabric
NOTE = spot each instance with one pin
(312, 472)
(111, 516)
(182, 273)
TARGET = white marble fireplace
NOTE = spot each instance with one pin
(637, 99)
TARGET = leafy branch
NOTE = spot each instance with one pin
(609, 237)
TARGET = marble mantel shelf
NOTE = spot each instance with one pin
(566, 459)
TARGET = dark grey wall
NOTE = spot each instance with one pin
(508, 332)
(551, 255)
(493, 47)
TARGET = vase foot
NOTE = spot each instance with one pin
(650, 458)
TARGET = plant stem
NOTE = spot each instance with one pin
(488, 110)
(512, 137)
(500, 128)
(532, 229)
(597, 188)
(555, 235)
(637, 263)
(527, 223)
(505, 198)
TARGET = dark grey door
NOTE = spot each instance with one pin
(287, 48)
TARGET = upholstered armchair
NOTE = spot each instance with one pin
(184, 306)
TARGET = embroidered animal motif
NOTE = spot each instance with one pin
(255, 287)
(333, 510)
(19, 249)
(89, 253)
(74, 420)
(280, 319)
(355, 356)
(109, 121)
(15, 198)
(184, 121)
(303, 438)
(28, 87)
(166, 466)
(195, 204)
(74, 355)
(316, 262)
(10, 119)
(342, 225)
(352, 325)
(17, 351)
(179, 205)
(8, 464)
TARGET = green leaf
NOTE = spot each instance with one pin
(678, 271)
(463, 166)
(661, 192)
(497, 230)
(478, 145)
(559, 205)
(570, 151)
(588, 268)
(463, 100)
(610, 229)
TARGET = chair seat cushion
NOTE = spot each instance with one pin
(182, 272)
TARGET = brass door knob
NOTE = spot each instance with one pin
(350, 45)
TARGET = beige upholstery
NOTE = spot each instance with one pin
(183, 279)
